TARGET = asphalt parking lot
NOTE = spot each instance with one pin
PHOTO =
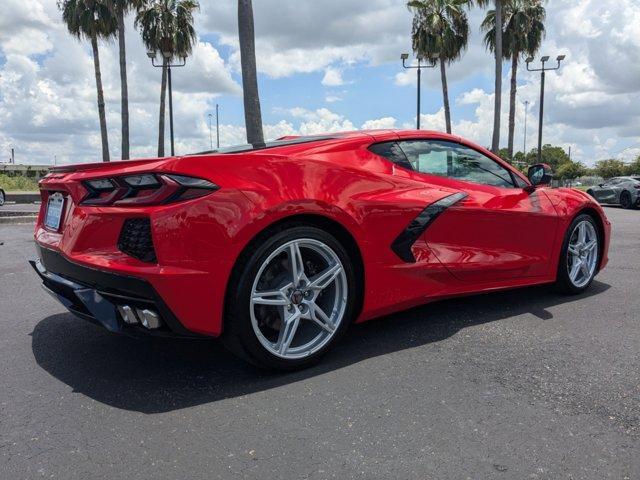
(522, 384)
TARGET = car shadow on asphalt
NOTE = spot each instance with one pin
(153, 375)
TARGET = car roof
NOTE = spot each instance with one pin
(295, 141)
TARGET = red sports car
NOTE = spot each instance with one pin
(278, 247)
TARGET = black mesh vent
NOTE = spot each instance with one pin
(135, 239)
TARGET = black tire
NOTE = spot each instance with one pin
(1, 197)
(239, 336)
(590, 192)
(563, 282)
(625, 200)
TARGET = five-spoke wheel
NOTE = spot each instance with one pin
(583, 253)
(580, 256)
(293, 297)
(298, 298)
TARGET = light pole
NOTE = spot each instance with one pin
(526, 112)
(542, 71)
(217, 127)
(168, 56)
(210, 134)
(419, 68)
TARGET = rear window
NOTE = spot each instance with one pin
(247, 147)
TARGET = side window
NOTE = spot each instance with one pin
(520, 183)
(391, 151)
(456, 161)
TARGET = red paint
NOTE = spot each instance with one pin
(496, 238)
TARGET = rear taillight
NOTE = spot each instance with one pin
(145, 189)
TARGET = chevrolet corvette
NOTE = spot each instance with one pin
(277, 248)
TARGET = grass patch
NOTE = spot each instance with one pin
(9, 184)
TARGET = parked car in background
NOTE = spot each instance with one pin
(623, 191)
(2, 197)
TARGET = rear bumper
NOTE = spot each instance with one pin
(94, 295)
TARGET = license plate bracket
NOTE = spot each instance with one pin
(55, 206)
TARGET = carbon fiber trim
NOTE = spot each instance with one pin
(403, 243)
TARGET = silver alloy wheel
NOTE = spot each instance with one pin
(582, 256)
(298, 298)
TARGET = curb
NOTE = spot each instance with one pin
(18, 220)
(22, 197)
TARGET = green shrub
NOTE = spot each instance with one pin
(8, 183)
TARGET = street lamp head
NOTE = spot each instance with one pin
(151, 54)
(545, 58)
(404, 56)
(561, 58)
(167, 54)
(529, 59)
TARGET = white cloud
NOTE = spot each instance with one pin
(332, 77)
(379, 123)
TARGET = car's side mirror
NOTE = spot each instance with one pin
(540, 174)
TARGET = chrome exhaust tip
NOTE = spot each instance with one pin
(127, 314)
(149, 318)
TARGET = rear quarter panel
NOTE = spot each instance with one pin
(350, 185)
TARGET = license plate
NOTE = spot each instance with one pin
(54, 211)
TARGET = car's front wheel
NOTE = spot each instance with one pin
(291, 297)
(580, 255)
(1, 197)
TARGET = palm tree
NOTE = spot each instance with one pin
(440, 34)
(523, 32)
(166, 26)
(121, 7)
(92, 19)
(497, 107)
(252, 113)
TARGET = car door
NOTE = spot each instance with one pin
(606, 193)
(500, 230)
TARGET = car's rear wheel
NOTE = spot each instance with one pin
(625, 200)
(580, 255)
(291, 298)
(1, 197)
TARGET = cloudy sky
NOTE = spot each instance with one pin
(323, 66)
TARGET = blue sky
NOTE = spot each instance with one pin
(323, 66)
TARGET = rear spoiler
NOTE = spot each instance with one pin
(78, 167)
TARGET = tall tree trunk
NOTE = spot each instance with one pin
(163, 95)
(497, 107)
(252, 113)
(101, 110)
(512, 102)
(445, 94)
(124, 87)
